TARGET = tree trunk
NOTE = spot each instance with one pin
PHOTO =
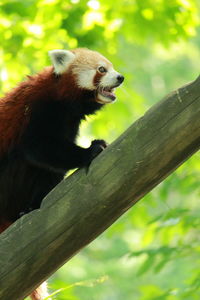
(85, 204)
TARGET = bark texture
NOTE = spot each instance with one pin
(85, 204)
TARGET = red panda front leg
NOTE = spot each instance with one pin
(60, 156)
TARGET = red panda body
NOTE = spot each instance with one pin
(39, 122)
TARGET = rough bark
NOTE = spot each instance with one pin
(85, 204)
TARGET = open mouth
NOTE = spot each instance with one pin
(105, 94)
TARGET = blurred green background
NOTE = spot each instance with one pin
(152, 252)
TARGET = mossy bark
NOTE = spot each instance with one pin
(86, 203)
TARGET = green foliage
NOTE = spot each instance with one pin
(86, 283)
(152, 252)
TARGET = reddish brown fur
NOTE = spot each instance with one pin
(35, 295)
(97, 78)
(40, 293)
(16, 105)
(4, 225)
(14, 109)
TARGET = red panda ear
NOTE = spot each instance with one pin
(61, 60)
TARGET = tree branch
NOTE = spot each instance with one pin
(84, 205)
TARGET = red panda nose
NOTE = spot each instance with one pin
(120, 78)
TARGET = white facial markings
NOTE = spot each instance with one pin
(110, 78)
(85, 79)
(102, 64)
(85, 75)
(61, 59)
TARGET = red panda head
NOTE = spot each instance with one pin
(90, 70)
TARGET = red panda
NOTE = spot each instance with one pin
(39, 122)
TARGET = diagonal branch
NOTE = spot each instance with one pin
(84, 205)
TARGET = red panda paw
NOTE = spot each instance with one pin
(102, 143)
(97, 146)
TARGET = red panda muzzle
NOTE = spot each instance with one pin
(107, 92)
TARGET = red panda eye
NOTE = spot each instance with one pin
(102, 69)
